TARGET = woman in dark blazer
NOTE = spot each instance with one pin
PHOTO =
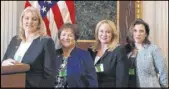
(33, 47)
(77, 69)
(110, 58)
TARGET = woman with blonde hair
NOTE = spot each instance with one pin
(110, 58)
(32, 46)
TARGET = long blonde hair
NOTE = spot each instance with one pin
(115, 35)
(41, 30)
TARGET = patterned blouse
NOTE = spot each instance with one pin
(61, 81)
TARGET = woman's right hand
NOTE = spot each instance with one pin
(8, 62)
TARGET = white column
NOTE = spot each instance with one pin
(162, 25)
(149, 17)
(155, 13)
(10, 13)
(8, 23)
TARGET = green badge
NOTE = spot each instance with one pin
(131, 71)
(99, 68)
(62, 73)
(18, 58)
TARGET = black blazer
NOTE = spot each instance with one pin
(41, 58)
(115, 65)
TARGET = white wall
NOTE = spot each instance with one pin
(156, 14)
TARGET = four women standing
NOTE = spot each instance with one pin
(139, 64)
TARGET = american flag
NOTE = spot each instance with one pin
(54, 14)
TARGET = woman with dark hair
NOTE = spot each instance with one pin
(77, 69)
(147, 63)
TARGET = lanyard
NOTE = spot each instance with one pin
(133, 60)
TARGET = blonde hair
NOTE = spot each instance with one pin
(41, 30)
(115, 35)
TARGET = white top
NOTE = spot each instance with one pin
(23, 47)
(96, 59)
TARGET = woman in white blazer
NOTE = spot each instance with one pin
(148, 66)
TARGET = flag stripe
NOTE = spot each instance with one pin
(54, 29)
(46, 21)
(71, 8)
(27, 4)
(64, 11)
(57, 16)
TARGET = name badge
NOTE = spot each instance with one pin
(131, 71)
(99, 68)
(18, 58)
(63, 73)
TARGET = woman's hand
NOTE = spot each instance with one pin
(8, 62)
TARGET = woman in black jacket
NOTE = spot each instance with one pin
(110, 59)
(32, 46)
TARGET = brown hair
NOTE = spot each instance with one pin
(73, 28)
(130, 39)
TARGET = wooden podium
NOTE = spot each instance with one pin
(14, 76)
